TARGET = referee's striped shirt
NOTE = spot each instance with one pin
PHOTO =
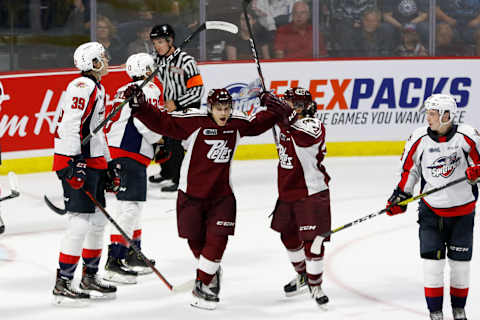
(181, 81)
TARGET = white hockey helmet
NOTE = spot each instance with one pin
(442, 103)
(139, 64)
(86, 53)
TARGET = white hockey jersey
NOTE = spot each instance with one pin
(82, 109)
(435, 161)
(127, 136)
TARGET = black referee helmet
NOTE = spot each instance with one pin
(162, 31)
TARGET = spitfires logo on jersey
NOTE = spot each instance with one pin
(444, 166)
(219, 152)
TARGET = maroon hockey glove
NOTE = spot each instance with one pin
(138, 99)
(284, 112)
(76, 172)
(397, 196)
(473, 174)
(162, 154)
(113, 180)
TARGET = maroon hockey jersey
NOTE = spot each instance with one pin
(205, 169)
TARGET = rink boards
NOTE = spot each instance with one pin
(369, 107)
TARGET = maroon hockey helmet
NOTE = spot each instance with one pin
(301, 98)
(218, 96)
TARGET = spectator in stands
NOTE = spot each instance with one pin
(410, 45)
(295, 40)
(106, 35)
(463, 17)
(272, 14)
(142, 43)
(371, 40)
(446, 45)
(400, 13)
(238, 46)
(346, 21)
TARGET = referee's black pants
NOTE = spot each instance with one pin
(171, 168)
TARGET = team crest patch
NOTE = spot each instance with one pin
(81, 84)
(444, 166)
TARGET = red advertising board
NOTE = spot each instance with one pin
(29, 103)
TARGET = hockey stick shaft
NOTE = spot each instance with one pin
(316, 246)
(253, 47)
(14, 190)
(127, 238)
(219, 25)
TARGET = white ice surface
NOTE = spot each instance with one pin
(372, 270)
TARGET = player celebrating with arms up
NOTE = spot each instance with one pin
(303, 206)
(206, 206)
(435, 155)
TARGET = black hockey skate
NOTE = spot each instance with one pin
(117, 271)
(317, 294)
(459, 314)
(156, 178)
(203, 297)
(170, 188)
(216, 281)
(297, 285)
(436, 315)
(95, 287)
(64, 294)
(135, 262)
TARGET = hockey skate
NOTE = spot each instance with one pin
(317, 294)
(203, 297)
(135, 262)
(117, 271)
(436, 315)
(296, 286)
(459, 314)
(215, 283)
(65, 295)
(157, 178)
(95, 287)
(172, 187)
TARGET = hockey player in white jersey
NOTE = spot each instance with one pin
(435, 155)
(131, 148)
(302, 210)
(82, 167)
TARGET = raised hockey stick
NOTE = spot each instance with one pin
(208, 25)
(14, 191)
(317, 242)
(253, 47)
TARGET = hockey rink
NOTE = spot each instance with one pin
(372, 270)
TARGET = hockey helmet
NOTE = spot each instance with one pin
(86, 54)
(442, 103)
(162, 31)
(301, 98)
(218, 96)
(139, 64)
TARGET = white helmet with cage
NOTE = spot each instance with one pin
(139, 64)
(86, 53)
(443, 103)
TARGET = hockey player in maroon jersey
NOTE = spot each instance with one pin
(82, 167)
(131, 147)
(206, 206)
(435, 155)
(302, 210)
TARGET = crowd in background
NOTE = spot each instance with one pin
(42, 34)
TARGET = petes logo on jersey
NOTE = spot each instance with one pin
(219, 152)
(285, 160)
(444, 166)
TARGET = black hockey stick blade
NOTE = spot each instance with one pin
(53, 207)
(14, 190)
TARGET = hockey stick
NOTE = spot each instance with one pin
(14, 191)
(53, 207)
(253, 47)
(208, 25)
(317, 242)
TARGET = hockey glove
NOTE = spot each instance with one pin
(113, 180)
(397, 196)
(473, 174)
(138, 99)
(76, 172)
(284, 112)
(162, 154)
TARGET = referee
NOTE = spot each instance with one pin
(182, 89)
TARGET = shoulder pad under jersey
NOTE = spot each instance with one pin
(418, 133)
(468, 130)
(81, 86)
(311, 126)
